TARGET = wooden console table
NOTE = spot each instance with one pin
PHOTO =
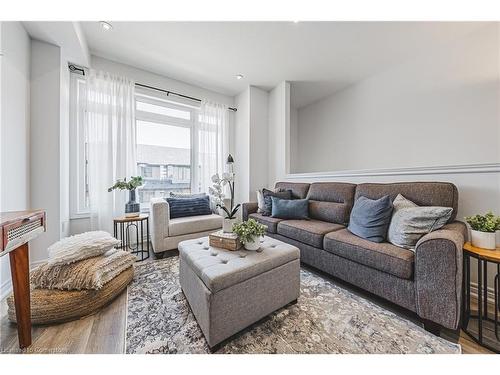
(16, 230)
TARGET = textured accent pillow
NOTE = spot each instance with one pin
(260, 202)
(297, 209)
(411, 222)
(213, 205)
(81, 246)
(370, 218)
(268, 203)
(183, 207)
(91, 273)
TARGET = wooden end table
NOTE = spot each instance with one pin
(124, 231)
(483, 257)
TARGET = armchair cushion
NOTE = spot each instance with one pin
(194, 224)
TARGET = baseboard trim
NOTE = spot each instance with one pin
(491, 293)
(446, 169)
(6, 287)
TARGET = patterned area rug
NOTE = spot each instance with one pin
(326, 319)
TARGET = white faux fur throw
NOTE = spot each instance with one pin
(91, 273)
(81, 246)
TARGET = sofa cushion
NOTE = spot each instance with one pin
(370, 218)
(299, 189)
(382, 256)
(270, 222)
(290, 208)
(442, 194)
(331, 201)
(268, 203)
(310, 232)
(194, 224)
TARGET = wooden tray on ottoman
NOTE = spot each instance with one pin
(228, 241)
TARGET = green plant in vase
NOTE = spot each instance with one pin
(483, 228)
(132, 208)
(249, 233)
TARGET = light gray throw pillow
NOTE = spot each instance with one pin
(410, 222)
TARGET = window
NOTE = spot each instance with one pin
(167, 146)
(79, 204)
(164, 146)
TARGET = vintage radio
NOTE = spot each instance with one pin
(18, 228)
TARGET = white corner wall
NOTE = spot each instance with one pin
(45, 177)
(251, 143)
(14, 127)
(438, 109)
(279, 133)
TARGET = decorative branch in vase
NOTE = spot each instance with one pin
(132, 208)
(217, 192)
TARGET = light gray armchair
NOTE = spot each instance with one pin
(167, 232)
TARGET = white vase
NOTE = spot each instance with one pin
(497, 233)
(227, 225)
(485, 240)
(254, 245)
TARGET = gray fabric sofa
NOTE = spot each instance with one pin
(427, 281)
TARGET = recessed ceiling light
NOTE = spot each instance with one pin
(239, 76)
(106, 25)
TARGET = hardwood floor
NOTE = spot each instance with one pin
(104, 332)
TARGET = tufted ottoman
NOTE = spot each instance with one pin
(229, 290)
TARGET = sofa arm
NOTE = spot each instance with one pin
(438, 274)
(247, 209)
(160, 217)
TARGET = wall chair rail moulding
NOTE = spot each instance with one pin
(407, 171)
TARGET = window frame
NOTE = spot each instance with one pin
(78, 146)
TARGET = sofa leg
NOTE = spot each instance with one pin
(159, 255)
(432, 327)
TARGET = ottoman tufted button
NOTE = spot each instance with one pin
(243, 255)
(200, 242)
(206, 248)
(224, 261)
(214, 254)
(273, 246)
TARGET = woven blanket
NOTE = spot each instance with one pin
(90, 273)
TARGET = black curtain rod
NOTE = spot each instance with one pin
(176, 94)
(74, 68)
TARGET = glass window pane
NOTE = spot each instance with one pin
(163, 160)
(161, 110)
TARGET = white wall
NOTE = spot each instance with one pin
(438, 109)
(45, 177)
(14, 126)
(242, 146)
(279, 132)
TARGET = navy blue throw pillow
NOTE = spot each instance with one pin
(183, 207)
(297, 209)
(370, 218)
(268, 203)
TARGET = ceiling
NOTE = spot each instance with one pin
(211, 54)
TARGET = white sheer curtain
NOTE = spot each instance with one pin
(212, 138)
(111, 139)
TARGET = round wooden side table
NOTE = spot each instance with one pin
(481, 317)
(124, 230)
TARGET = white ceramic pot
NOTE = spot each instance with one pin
(497, 233)
(254, 245)
(485, 240)
(227, 225)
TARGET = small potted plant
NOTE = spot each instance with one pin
(249, 233)
(483, 228)
(216, 191)
(132, 208)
